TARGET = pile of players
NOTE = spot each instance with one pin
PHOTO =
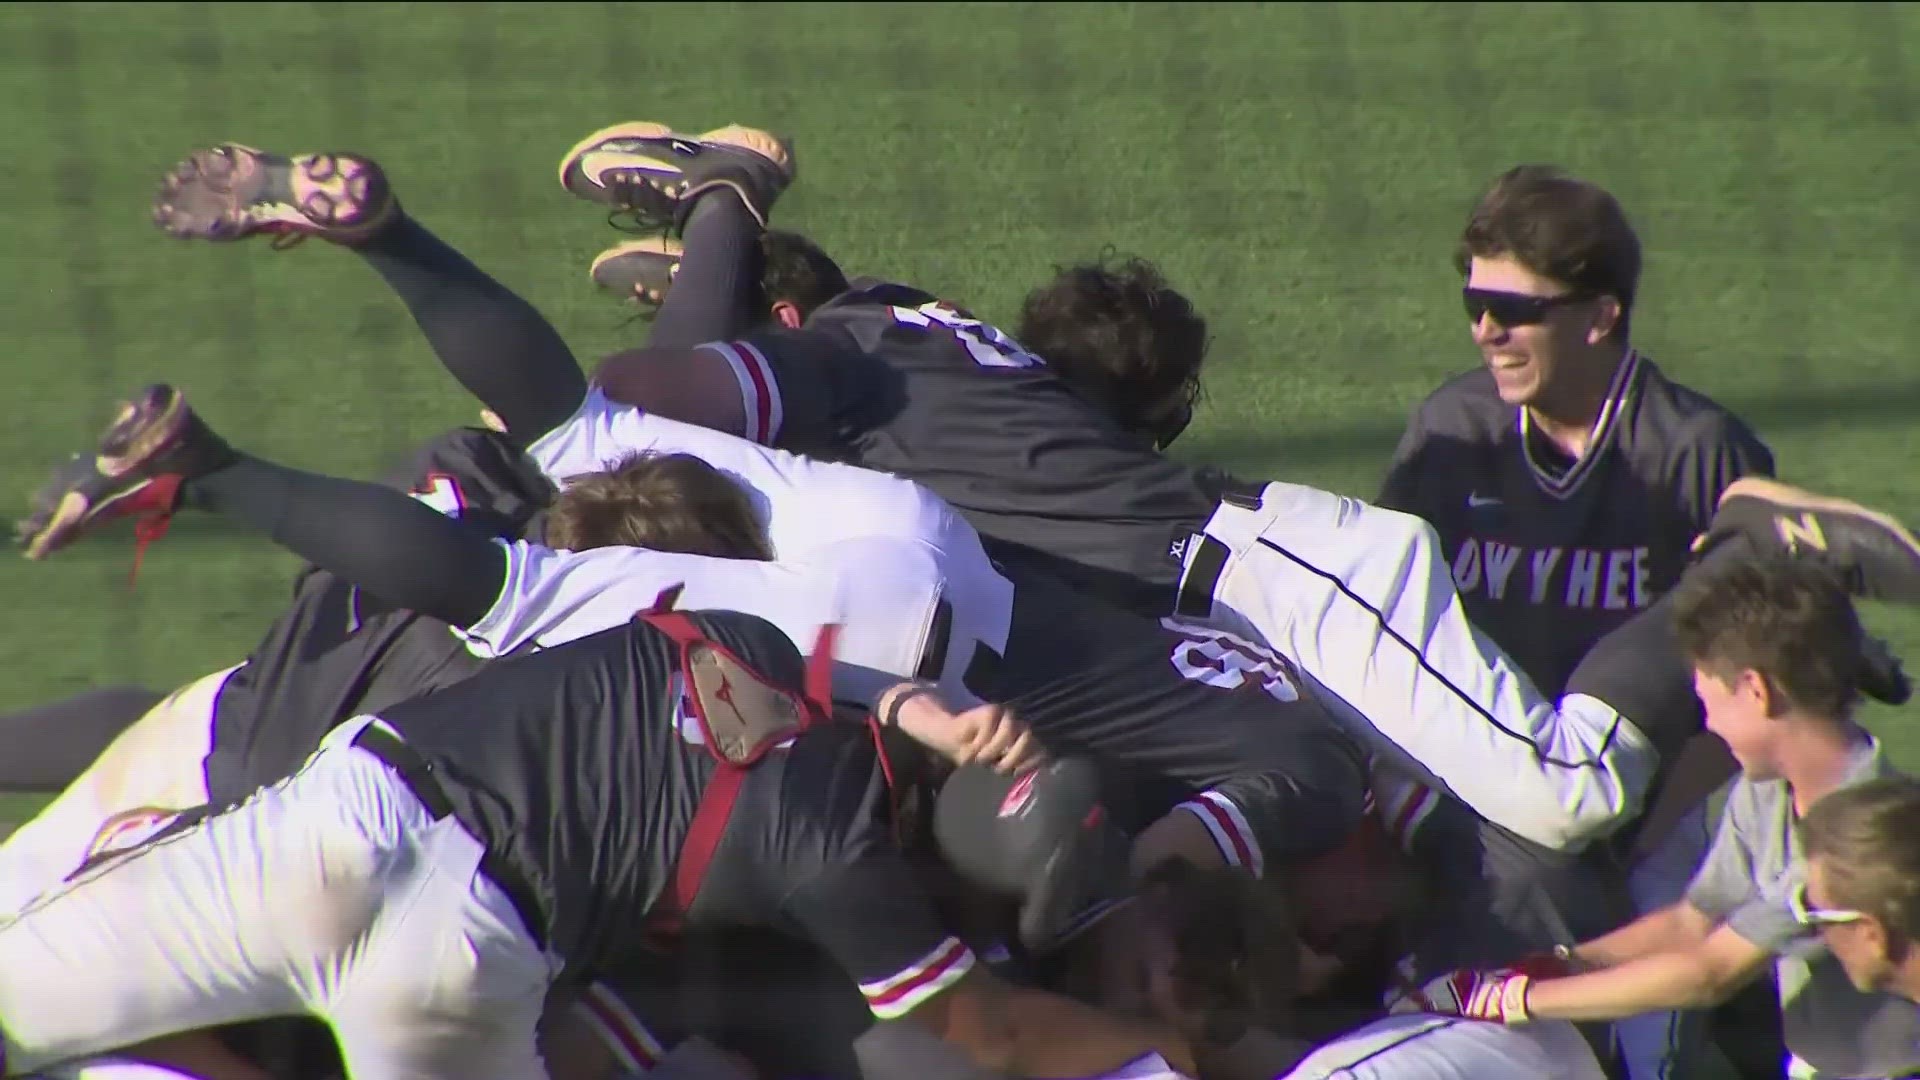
(838, 685)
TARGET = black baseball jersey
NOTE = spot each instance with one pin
(577, 767)
(1549, 554)
(1183, 715)
(338, 652)
(893, 379)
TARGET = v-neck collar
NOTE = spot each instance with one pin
(1558, 484)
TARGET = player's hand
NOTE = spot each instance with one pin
(992, 736)
(1496, 996)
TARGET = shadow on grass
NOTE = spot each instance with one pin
(1373, 436)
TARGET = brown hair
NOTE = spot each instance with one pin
(1560, 227)
(1788, 619)
(1237, 956)
(665, 502)
(1865, 839)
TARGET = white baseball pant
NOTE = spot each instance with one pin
(333, 893)
(1360, 597)
(1412, 1046)
(159, 763)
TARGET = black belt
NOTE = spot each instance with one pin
(933, 658)
(417, 773)
(1208, 556)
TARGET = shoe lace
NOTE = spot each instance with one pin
(640, 208)
(153, 526)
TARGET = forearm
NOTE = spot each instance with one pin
(1664, 981)
(1676, 928)
(1057, 1036)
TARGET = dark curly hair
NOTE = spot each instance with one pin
(796, 269)
(1237, 954)
(1117, 332)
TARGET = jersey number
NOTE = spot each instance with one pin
(442, 493)
(987, 345)
(1229, 662)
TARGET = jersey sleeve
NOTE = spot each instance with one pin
(1724, 883)
(1430, 446)
(1402, 482)
(866, 910)
(1271, 817)
(797, 388)
(1719, 450)
(1767, 920)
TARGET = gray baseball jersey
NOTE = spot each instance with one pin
(1747, 881)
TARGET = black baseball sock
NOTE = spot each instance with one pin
(716, 292)
(49, 746)
(1638, 670)
(395, 548)
(500, 348)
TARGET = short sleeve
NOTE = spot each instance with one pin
(1767, 919)
(797, 387)
(1719, 450)
(1267, 818)
(867, 912)
(1400, 489)
(1724, 883)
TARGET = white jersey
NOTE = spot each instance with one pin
(805, 504)
(1416, 1046)
(904, 577)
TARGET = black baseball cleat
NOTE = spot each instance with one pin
(1875, 555)
(638, 270)
(655, 174)
(232, 192)
(153, 445)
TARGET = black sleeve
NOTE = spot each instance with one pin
(1718, 450)
(803, 390)
(1270, 818)
(843, 885)
(867, 911)
(1402, 482)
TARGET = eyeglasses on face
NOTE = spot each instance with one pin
(1807, 915)
(1511, 309)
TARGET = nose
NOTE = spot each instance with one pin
(1486, 331)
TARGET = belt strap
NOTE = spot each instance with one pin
(417, 773)
(1207, 560)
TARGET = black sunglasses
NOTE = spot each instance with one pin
(1511, 309)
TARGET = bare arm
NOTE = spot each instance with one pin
(1699, 977)
(1675, 928)
(1032, 1033)
(986, 735)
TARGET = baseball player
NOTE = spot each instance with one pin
(430, 873)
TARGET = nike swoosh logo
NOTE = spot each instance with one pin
(598, 163)
(1477, 501)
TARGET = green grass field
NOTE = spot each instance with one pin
(1301, 170)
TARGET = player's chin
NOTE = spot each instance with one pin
(1516, 385)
